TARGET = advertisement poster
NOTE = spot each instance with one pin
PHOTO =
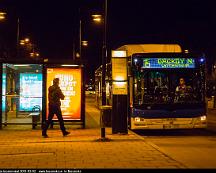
(119, 69)
(30, 91)
(70, 84)
(3, 91)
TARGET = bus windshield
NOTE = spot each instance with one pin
(167, 86)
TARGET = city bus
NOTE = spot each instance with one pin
(154, 74)
(155, 102)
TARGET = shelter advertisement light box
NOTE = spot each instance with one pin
(30, 91)
(70, 84)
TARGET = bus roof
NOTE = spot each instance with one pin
(150, 48)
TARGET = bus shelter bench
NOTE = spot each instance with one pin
(35, 118)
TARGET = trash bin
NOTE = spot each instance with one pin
(35, 118)
(35, 115)
(105, 117)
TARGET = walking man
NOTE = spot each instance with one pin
(54, 96)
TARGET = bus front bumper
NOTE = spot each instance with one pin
(168, 123)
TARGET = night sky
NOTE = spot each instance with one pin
(54, 25)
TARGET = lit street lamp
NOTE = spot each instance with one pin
(97, 18)
(85, 43)
(2, 16)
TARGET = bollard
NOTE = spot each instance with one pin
(103, 132)
(103, 122)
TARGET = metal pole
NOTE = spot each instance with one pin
(104, 55)
(104, 58)
(74, 54)
(18, 35)
(80, 38)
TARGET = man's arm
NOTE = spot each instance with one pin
(61, 95)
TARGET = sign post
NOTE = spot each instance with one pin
(120, 93)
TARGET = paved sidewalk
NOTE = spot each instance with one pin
(27, 149)
(24, 148)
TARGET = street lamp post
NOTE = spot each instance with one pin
(18, 35)
(104, 55)
(80, 38)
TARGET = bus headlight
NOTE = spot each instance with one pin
(203, 118)
(137, 119)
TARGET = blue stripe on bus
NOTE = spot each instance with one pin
(166, 113)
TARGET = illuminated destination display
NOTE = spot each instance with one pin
(70, 84)
(30, 91)
(168, 63)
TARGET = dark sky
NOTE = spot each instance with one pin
(53, 25)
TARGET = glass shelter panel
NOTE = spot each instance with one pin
(21, 92)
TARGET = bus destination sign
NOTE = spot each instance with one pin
(168, 63)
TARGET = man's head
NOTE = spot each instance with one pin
(56, 81)
(181, 81)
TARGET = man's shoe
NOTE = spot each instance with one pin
(45, 136)
(66, 133)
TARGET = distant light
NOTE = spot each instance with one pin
(46, 60)
(135, 60)
(31, 54)
(137, 119)
(119, 53)
(85, 43)
(77, 55)
(27, 40)
(22, 42)
(203, 118)
(69, 65)
(186, 51)
(97, 18)
(21, 65)
(202, 59)
(96, 15)
(2, 15)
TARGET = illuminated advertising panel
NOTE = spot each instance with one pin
(3, 91)
(119, 69)
(30, 91)
(168, 63)
(70, 84)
